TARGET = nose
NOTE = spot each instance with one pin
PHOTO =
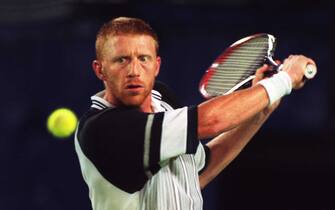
(134, 69)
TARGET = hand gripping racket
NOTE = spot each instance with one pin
(236, 66)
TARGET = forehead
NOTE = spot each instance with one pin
(125, 44)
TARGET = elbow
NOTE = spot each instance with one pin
(211, 122)
(211, 128)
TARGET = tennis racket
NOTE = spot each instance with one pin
(236, 66)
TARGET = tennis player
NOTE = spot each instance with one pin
(139, 152)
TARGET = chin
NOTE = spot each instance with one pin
(134, 101)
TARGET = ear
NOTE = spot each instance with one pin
(97, 67)
(158, 60)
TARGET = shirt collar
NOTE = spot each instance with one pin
(99, 102)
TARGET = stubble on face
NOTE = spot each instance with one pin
(130, 66)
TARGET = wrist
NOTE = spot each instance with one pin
(277, 86)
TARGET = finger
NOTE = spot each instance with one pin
(259, 75)
(304, 58)
(310, 61)
(278, 62)
(262, 69)
(300, 85)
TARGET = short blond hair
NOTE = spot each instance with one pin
(121, 26)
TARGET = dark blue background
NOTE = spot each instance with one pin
(46, 53)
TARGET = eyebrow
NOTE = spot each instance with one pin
(145, 55)
(128, 56)
(120, 56)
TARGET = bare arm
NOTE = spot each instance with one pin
(244, 121)
(224, 113)
(225, 147)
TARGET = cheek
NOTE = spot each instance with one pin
(151, 79)
(113, 79)
(150, 76)
(152, 71)
(157, 67)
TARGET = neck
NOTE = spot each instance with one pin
(146, 105)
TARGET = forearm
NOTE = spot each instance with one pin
(242, 113)
(226, 112)
(225, 147)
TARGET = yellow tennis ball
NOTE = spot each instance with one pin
(62, 122)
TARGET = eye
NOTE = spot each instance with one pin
(121, 60)
(144, 58)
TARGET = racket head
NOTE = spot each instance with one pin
(236, 65)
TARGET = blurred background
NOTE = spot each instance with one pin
(46, 51)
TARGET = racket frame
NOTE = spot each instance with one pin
(211, 70)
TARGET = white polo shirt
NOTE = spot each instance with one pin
(132, 160)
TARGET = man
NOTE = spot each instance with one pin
(137, 152)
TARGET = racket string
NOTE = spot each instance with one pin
(238, 65)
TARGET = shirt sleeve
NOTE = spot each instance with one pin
(201, 157)
(125, 143)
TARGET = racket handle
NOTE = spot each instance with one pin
(310, 71)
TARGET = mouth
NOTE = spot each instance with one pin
(134, 88)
